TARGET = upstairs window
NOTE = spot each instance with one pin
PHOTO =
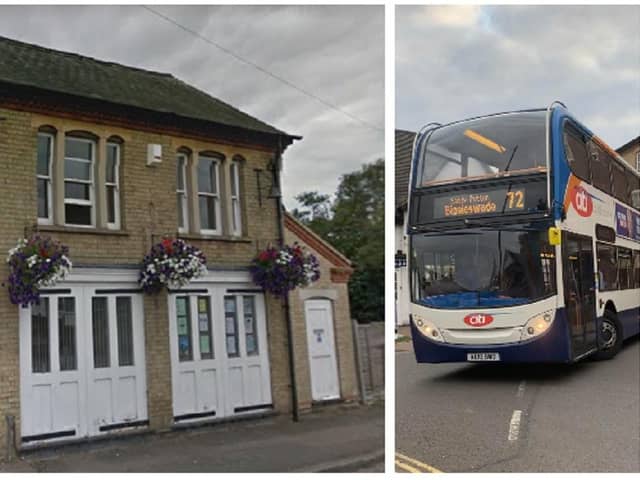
(43, 172)
(181, 193)
(638, 161)
(577, 154)
(620, 186)
(600, 174)
(112, 185)
(236, 216)
(209, 194)
(78, 181)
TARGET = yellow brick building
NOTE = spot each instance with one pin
(109, 160)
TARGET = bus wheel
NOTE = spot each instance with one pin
(610, 336)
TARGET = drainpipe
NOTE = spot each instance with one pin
(285, 303)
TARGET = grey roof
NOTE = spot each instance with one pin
(404, 147)
(629, 144)
(69, 73)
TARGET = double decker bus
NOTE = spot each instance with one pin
(524, 240)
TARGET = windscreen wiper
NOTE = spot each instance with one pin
(504, 204)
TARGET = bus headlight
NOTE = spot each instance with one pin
(428, 329)
(537, 325)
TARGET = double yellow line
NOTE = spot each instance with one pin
(405, 463)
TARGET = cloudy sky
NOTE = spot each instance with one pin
(457, 62)
(335, 52)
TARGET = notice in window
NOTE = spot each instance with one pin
(251, 343)
(205, 344)
(231, 325)
(203, 322)
(231, 346)
(181, 307)
(202, 305)
(183, 327)
(248, 324)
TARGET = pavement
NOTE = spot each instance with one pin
(336, 439)
(518, 418)
(403, 339)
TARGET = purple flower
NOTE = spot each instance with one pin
(171, 263)
(34, 263)
(280, 271)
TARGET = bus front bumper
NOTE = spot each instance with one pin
(551, 347)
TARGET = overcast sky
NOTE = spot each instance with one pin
(335, 52)
(456, 62)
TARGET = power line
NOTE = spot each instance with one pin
(264, 70)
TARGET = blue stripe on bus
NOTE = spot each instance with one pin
(559, 167)
(552, 347)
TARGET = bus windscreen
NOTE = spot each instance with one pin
(485, 147)
(482, 267)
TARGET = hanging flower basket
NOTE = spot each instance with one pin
(34, 263)
(172, 263)
(279, 271)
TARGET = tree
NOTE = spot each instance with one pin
(354, 224)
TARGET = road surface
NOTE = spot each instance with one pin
(502, 418)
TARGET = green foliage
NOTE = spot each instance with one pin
(354, 224)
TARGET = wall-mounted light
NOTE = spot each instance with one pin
(266, 182)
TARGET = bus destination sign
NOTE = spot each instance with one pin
(499, 200)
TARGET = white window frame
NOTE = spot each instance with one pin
(74, 201)
(48, 220)
(216, 196)
(115, 225)
(236, 207)
(181, 193)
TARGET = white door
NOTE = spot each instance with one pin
(219, 353)
(62, 395)
(116, 370)
(248, 380)
(322, 350)
(197, 379)
(52, 384)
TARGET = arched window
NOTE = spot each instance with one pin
(112, 182)
(209, 193)
(79, 185)
(182, 189)
(44, 166)
(235, 196)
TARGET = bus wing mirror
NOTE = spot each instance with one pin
(554, 236)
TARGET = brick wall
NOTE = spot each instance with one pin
(148, 212)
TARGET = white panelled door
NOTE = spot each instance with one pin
(116, 371)
(197, 377)
(219, 354)
(322, 350)
(82, 365)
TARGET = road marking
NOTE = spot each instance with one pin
(416, 463)
(521, 388)
(514, 425)
(407, 468)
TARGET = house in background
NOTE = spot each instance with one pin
(109, 160)
(403, 151)
(630, 151)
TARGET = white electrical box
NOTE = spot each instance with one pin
(154, 154)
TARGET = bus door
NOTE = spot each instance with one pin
(579, 292)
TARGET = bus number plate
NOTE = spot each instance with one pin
(483, 357)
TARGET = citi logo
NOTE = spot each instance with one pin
(478, 319)
(582, 202)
